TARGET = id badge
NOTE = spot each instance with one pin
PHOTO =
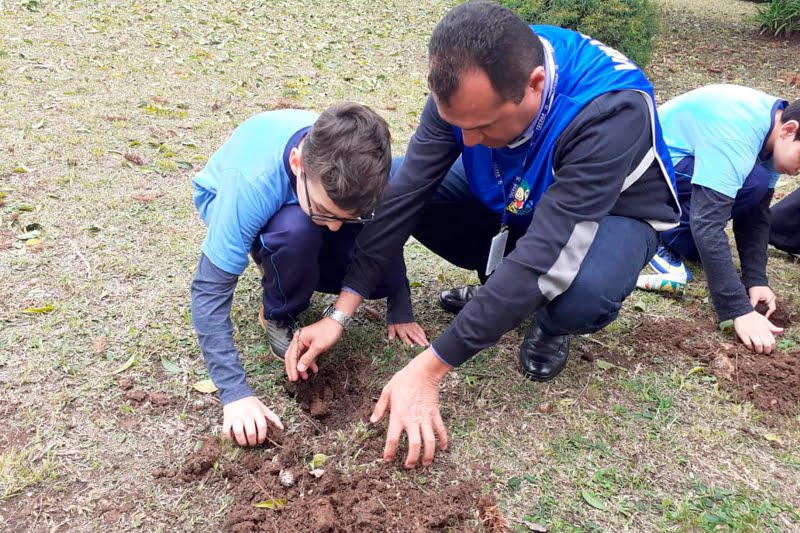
(497, 250)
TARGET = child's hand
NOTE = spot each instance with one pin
(756, 332)
(245, 421)
(764, 294)
(410, 333)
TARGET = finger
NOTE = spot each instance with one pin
(250, 432)
(226, 430)
(746, 341)
(272, 417)
(429, 442)
(380, 407)
(261, 429)
(392, 438)
(392, 332)
(238, 430)
(772, 307)
(419, 336)
(758, 346)
(290, 359)
(414, 444)
(308, 357)
(441, 431)
(404, 336)
(314, 368)
(775, 329)
(754, 299)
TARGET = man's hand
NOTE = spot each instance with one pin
(412, 397)
(756, 332)
(245, 421)
(410, 333)
(764, 294)
(307, 344)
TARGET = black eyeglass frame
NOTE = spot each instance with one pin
(331, 218)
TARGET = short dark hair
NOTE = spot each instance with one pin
(486, 36)
(792, 112)
(348, 149)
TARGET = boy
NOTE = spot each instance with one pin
(728, 144)
(280, 189)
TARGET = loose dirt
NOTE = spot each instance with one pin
(354, 490)
(770, 381)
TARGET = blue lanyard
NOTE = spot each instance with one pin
(538, 123)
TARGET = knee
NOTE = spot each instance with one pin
(585, 311)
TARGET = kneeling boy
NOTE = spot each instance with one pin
(280, 189)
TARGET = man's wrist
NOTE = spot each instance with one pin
(348, 302)
(433, 366)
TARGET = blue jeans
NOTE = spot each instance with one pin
(456, 226)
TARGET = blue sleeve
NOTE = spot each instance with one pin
(241, 208)
(723, 166)
(212, 297)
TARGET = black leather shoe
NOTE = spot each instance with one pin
(454, 300)
(541, 356)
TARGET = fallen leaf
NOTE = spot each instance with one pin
(696, 370)
(772, 438)
(318, 460)
(593, 500)
(274, 503)
(726, 325)
(205, 386)
(317, 472)
(605, 365)
(22, 169)
(136, 159)
(160, 100)
(126, 365)
(37, 125)
(100, 344)
(116, 118)
(46, 308)
(169, 366)
(29, 235)
(147, 196)
(536, 528)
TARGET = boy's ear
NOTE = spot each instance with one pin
(790, 127)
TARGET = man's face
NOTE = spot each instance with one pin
(786, 152)
(484, 118)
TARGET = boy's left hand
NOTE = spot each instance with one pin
(764, 294)
(410, 333)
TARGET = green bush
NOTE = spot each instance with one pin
(627, 25)
(780, 17)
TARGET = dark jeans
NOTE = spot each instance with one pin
(679, 239)
(459, 228)
(784, 231)
(299, 257)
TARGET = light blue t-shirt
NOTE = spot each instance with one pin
(244, 184)
(724, 127)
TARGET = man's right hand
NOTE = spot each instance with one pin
(756, 332)
(245, 421)
(306, 346)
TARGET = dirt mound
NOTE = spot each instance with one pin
(352, 489)
(771, 382)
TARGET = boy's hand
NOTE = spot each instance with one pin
(756, 332)
(306, 346)
(245, 421)
(763, 294)
(410, 333)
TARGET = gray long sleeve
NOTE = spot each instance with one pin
(751, 230)
(710, 213)
(212, 298)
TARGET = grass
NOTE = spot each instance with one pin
(655, 447)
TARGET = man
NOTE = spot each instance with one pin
(729, 144)
(569, 121)
(291, 189)
(784, 231)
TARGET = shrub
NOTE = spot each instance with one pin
(627, 25)
(780, 17)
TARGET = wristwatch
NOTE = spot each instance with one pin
(338, 316)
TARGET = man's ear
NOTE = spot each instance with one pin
(536, 79)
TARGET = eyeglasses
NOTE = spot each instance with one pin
(331, 218)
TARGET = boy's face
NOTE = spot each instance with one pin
(318, 204)
(786, 152)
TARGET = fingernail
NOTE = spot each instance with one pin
(301, 367)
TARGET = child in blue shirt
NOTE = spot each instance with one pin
(728, 145)
(292, 190)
